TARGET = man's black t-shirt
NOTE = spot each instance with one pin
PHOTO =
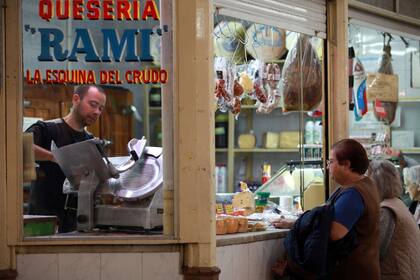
(47, 196)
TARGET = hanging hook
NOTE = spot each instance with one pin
(389, 38)
(216, 13)
(405, 42)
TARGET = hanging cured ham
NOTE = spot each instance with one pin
(385, 111)
(302, 77)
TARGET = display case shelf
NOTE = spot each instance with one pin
(409, 99)
(263, 150)
(221, 150)
(411, 150)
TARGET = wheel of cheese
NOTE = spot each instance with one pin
(228, 40)
(265, 42)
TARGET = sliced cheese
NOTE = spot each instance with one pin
(244, 200)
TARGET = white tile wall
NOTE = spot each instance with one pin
(106, 266)
(237, 262)
(121, 266)
(40, 266)
(249, 261)
(240, 257)
(161, 266)
(224, 259)
(79, 266)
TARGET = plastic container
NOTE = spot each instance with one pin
(317, 132)
(309, 132)
(262, 198)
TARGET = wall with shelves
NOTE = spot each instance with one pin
(246, 164)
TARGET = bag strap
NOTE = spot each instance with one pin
(334, 196)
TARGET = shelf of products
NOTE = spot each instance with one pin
(243, 163)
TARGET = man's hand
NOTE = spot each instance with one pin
(392, 152)
(283, 223)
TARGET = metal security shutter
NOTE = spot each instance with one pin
(382, 23)
(304, 16)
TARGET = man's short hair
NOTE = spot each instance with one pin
(83, 89)
(353, 151)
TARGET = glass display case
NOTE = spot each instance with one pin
(301, 183)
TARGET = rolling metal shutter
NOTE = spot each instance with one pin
(304, 16)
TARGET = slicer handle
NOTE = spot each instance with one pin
(134, 155)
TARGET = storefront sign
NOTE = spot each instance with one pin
(117, 46)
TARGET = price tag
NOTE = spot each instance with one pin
(219, 208)
(229, 209)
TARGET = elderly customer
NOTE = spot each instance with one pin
(399, 236)
(412, 182)
(356, 210)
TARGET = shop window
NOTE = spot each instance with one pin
(110, 179)
(385, 92)
(269, 119)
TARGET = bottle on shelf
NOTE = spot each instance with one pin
(157, 133)
(266, 173)
(155, 97)
(221, 178)
(221, 130)
(317, 132)
(309, 132)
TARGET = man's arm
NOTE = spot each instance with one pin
(348, 208)
(41, 136)
(42, 154)
(338, 231)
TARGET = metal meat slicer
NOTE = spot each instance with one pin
(117, 192)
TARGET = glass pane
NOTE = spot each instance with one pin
(385, 124)
(386, 128)
(95, 70)
(269, 108)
